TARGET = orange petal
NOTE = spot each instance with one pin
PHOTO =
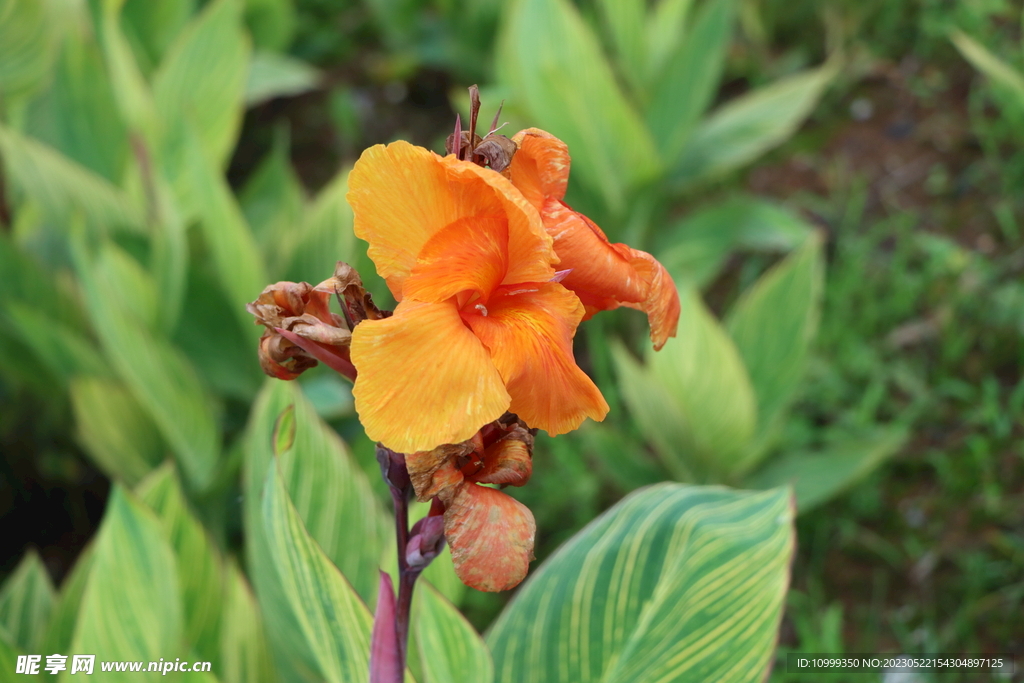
(491, 537)
(605, 275)
(530, 255)
(540, 167)
(506, 462)
(402, 195)
(424, 378)
(471, 253)
(528, 330)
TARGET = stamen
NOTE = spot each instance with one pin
(482, 309)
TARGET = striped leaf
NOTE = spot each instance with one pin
(773, 325)
(334, 501)
(674, 584)
(706, 411)
(236, 258)
(688, 82)
(750, 125)
(333, 622)
(131, 608)
(61, 628)
(158, 375)
(115, 430)
(202, 78)
(450, 649)
(200, 566)
(244, 657)
(63, 187)
(27, 44)
(557, 72)
(26, 601)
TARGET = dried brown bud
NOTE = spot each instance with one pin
(302, 330)
(496, 151)
(493, 151)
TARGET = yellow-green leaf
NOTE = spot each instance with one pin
(202, 77)
(200, 566)
(244, 655)
(26, 601)
(674, 584)
(1001, 73)
(61, 627)
(131, 608)
(63, 187)
(554, 66)
(332, 620)
(450, 649)
(748, 126)
(114, 429)
(27, 44)
(773, 325)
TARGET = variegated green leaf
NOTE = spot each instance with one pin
(331, 619)
(131, 608)
(200, 566)
(61, 627)
(158, 375)
(556, 70)
(674, 584)
(688, 81)
(773, 325)
(624, 22)
(63, 187)
(62, 349)
(450, 649)
(274, 203)
(237, 259)
(325, 235)
(710, 412)
(334, 501)
(202, 77)
(114, 429)
(750, 125)
(27, 44)
(132, 93)
(272, 74)
(26, 601)
(244, 655)
(816, 476)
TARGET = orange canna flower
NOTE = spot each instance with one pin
(603, 275)
(482, 326)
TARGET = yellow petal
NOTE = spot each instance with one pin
(528, 330)
(491, 536)
(470, 254)
(402, 195)
(424, 378)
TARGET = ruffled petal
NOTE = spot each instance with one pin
(424, 378)
(606, 275)
(540, 167)
(402, 195)
(491, 536)
(528, 330)
(470, 254)
(530, 254)
(505, 462)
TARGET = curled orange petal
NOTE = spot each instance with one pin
(540, 167)
(424, 378)
(469, 254)
(491, 537)
(506, 462)
(528, 330)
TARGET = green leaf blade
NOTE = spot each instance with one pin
(675, 583)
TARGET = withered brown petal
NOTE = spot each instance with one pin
(497, 151)
(434, 472)
(491, 537)
(506, 462)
